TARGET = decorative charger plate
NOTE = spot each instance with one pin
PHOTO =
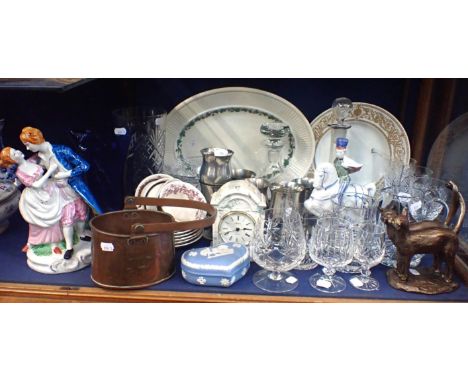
(181, 190)
(376, 137)
(231, 118)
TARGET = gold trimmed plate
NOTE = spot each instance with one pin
(376, 137)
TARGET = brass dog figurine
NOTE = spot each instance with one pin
(428, 237)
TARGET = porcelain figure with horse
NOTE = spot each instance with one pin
(328, 187)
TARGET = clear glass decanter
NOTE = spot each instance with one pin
(341, 108)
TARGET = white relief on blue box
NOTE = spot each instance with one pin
(201, 280)
(219, 266)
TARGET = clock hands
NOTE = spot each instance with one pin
(237, 230)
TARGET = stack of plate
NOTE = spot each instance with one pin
(183, 238)
(166, 186)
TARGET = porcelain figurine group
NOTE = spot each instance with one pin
(55, 203)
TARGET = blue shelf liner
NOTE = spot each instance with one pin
(13, 269)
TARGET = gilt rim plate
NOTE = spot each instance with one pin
(376, 137)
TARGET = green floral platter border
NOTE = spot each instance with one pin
(230, 109)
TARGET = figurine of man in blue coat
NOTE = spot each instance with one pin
(74, 193)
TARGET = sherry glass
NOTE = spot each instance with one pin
(355, 207)
(278, 246)
(369, 249)
(309, 222)
(358, 209)
(331, 247)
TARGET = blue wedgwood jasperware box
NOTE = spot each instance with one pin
(219, 266)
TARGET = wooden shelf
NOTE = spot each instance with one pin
(13, 292)
(56, 84)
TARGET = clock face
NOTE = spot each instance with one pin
(236, 227)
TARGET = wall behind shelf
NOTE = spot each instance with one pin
(90, 105)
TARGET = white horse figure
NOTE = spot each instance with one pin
(327, 188)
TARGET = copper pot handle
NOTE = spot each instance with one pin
(132, 201)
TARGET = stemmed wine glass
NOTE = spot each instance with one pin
(369, 250)
(358, 209)
(278, 246)
(331, 247)
(309, 222)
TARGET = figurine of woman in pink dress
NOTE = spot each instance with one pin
(39, 203)
(48, 209)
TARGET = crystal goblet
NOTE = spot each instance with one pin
(278, 246)
(369, 249)
(309, 222)
(331, 247)
(358, 209)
